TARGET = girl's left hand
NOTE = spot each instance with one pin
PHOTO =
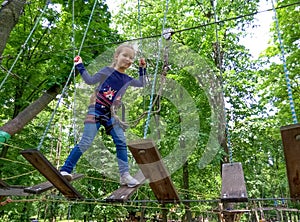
(142, 63)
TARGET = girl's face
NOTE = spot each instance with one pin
(124, 59)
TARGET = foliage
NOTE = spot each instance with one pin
(254, 93)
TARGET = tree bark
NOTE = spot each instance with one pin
(17, 124)
(10, 12)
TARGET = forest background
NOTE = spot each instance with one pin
(38, 42)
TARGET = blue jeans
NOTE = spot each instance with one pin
(89, 133)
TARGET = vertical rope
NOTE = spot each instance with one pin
(140, 49)
(74, 73)
(139, 26)
(68, 80)
(228, 139)
(287, 78)
(24, 45)
(87, 27)
(156, 70)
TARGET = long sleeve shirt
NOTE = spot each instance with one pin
(112, 85)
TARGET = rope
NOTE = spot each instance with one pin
(23, 80)
(68, 80)
(89, 22)
(214, 3)
(156, 70)
(288, 82)
(176, 31)
(74, 73)
(23, 46)
(139, 26)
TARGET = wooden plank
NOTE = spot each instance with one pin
(42, 187)
(7, 190)
(291, 143)
(150, 162)
(233, 183)
(51, 173)
(124, 192)
(13, 191)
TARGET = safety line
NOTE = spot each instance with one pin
(156, 70)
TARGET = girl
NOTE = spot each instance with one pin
(113, 83)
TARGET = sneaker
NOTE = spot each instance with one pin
(66, 175)
(127, 179)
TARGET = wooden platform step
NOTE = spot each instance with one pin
(37, 159)
(13, 191)
(124, 192)
(150, 162)
(8, 190)
(42, 187)
(233, 183)
(291, 143)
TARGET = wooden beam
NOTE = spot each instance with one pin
(152, 166)
(233, 183)
(291, 143)
(51, 173)
(42, 187)
(124, 192)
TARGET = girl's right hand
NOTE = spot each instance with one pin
(142, 63)
(77, 60)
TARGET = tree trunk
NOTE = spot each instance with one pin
(15, 125)
(9, 15)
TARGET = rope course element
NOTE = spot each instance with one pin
(68, 80)
(24, 45)
(95, 201)
(156, 70)
(286, 71)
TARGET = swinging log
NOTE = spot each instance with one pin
(233, 183)
(149, 161)
(51, 173)
(291, 143)
(124, 192)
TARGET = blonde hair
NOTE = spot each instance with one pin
(119, 50)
